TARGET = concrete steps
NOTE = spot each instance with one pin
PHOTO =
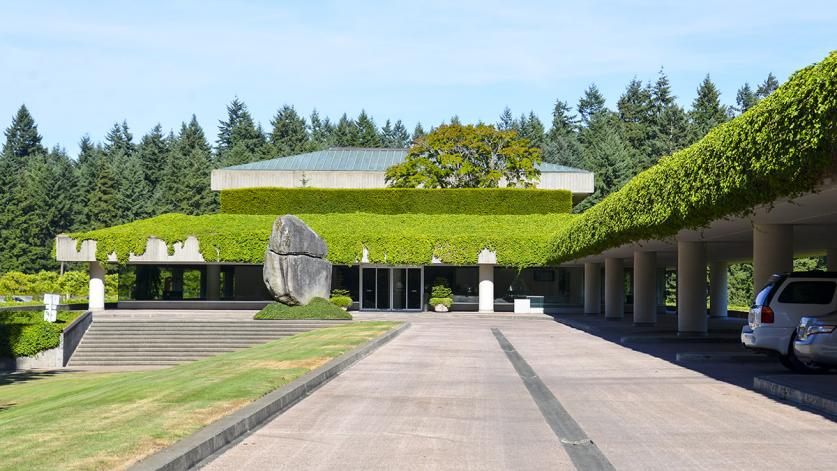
(130, 342)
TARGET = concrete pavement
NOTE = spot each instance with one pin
(445, 396)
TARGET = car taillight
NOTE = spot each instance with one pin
(766, 315)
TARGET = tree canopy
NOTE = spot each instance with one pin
(467, 156)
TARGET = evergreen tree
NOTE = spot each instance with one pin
(745, 98)
(185, 187)
(387, 136)
(606, 154)
(25, 233)
(367, 131)
(103, 204)
(707, 110)
(400, 136)
(636, 116)
(151, 152)
(769, 86)
(532, 128)
(346, 133)
(454, 120)
(19, 189)
(592, 103)
(669, 128)
(88, 164)
(239, 139)
(290, 133)
(322, 132)
(506, 122)
(562, 140)
(418, 132)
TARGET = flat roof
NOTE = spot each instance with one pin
(355, 159)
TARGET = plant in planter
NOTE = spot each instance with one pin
(341, 298)
(440, 297)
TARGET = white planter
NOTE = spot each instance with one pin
(440, 308)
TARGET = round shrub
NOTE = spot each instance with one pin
(318, 308)
(341, 301)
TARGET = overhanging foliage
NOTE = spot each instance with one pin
(782, 147)
(519, 240)
(395, 201)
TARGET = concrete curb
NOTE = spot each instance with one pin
(727, 357)
(193, 449)
(794, 395)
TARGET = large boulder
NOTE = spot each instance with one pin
(295, 269)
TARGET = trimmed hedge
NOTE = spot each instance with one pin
(26, 333)
(395, 201)
(318, 308)
(782, 147)
(519, 241)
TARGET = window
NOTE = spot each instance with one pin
(808, 292)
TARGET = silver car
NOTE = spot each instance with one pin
(816, 341)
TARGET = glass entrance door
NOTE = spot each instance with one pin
(396, 288)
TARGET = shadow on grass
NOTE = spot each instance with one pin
(19, 377)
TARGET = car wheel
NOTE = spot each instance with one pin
(794, 363)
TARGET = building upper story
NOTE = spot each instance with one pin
(352, 167)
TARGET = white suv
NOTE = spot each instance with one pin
(778, 308)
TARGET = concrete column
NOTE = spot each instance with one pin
(592, 289)
(831, 259)
(213, 282)
(486, 287)
(96, 293)
(645, 288)
(614, 288)
(691, 288)
(718, 297)
(772, 252)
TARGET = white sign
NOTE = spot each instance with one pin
(51, 307)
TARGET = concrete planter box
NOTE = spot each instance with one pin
(55, 357)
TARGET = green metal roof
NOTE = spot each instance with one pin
(354, 159)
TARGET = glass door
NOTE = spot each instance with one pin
(396, 288)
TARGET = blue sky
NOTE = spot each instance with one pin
(80, 66)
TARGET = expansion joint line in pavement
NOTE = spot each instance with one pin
(582, 451)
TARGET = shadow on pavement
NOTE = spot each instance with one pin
(718, 355)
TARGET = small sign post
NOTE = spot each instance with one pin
(51, 307)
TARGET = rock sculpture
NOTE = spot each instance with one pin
(295, 269)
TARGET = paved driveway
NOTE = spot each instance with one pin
(446, 395)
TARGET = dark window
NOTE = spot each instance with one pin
(808, 292)
(763, 296)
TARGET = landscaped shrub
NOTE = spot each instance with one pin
(440, 294)
(782, 147)
(447, 302)
(318, 308)
(26, 333)
(395, 201)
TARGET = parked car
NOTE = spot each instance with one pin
(816, 341)
(778, 308)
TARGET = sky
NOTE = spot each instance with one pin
(81, 66)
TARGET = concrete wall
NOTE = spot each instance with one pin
(576, 182)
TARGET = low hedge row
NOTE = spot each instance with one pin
(318, 308)
(395, 201)
(26, 333)
(69, 284)
(782, 147)
(519, 240)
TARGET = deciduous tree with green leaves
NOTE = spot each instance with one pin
(472, 156)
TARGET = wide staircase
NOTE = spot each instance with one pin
(117, 342)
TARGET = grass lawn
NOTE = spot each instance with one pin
(91, 420)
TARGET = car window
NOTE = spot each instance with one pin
(763, 296)
(808, 292)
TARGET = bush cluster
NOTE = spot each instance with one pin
(26, 333)
(70, 284)
(782, 147)
(484, 201)
(318, 308)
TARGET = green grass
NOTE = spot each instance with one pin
(318, 308)
(110, 420)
